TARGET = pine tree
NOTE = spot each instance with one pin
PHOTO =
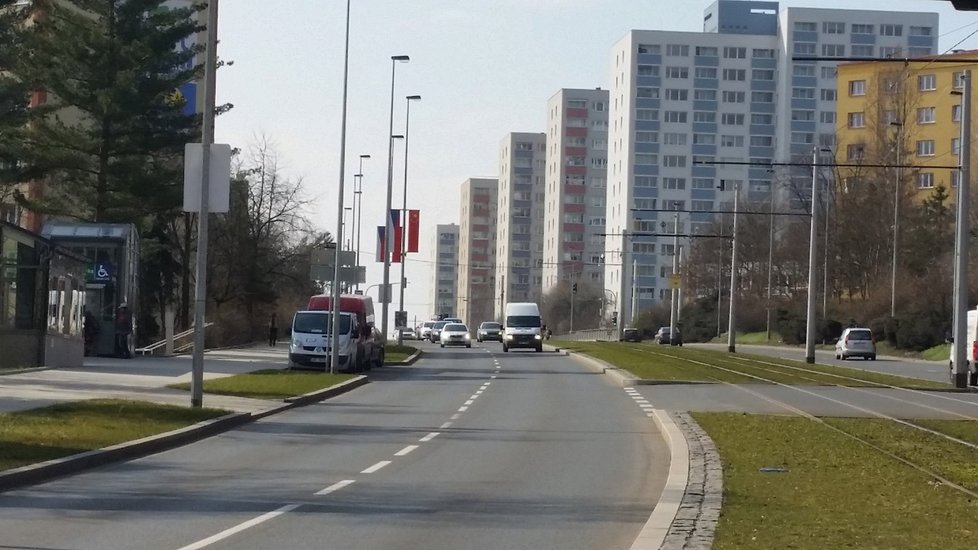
(14, 96)
(109, 142)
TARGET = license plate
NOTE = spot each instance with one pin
(318, 360)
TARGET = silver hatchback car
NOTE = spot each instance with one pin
(856, 342)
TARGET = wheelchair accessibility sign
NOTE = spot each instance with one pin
(100, 273)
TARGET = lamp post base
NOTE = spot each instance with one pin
(960, 379)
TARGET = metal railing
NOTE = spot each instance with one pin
(589, 335)
(152, 348)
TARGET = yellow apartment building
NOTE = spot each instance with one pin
(890, 113)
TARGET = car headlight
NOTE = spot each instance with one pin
(509, 336)
(537, 336)
(467, 336)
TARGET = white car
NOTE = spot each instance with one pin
(455, 334)
(856, 342)
(425, 331)
(407, 333)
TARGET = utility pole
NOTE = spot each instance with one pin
(732, 319)
(720, 274)
(812, 256)
(573, 292)
(207, 139)
(621, 289)
(770, 257)
(334, 354)
(682, 271)
(673, 295)
(631, 321)
(960, 335)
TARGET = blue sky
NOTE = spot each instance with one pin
(483, 68)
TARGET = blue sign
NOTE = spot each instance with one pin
(102, 273)
(189, 93)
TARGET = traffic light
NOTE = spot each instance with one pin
(614, 318)
(574, 288)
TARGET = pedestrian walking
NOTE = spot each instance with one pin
(272, 331)
(123, 330)
(90, 331)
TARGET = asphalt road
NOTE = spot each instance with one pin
(468, 448)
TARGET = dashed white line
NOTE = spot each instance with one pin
(406, 450)
(335, 487)
(376, 467)
(445, 425)
(456, 416)
(240, 527)
(462, 409)
(428, 437)
(493, 377)
(479, 392)
(469, 402)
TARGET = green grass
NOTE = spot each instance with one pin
(270, 384)
(937, 353)
(836, 493)
(656, 362)
(394, 352)
(36, 435)
(757, 338)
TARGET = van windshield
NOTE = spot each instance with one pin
(860, 335)
(523, 321)
(318, 323)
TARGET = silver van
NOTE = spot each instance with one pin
(856, 342)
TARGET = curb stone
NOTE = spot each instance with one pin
(413, 358)
(34, 474)
(695, 523)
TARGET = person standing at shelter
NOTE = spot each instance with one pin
(123, 330)
(272, 331)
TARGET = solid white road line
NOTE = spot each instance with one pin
(335, 487)
(376, 467)
(406, 450)
(240, 527)
(428, 437)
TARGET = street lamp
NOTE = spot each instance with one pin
(358, 196)
(388, 230)
(896, 213)
(403, 250)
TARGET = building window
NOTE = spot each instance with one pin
(925, 115)
(675, 116)
(703, 183)
(677, 72)
(646, 114)
(760, 141)
(704, 139)
(891, 30)
(890, 117)
(735, 74)
(761, 119)
(862, 28)
(672, 138)
(701, 206)
(921, 31)
(762, 97)
(648, 70)
(646, 137)
(647, 159)
(833, 50)
(857, 87)
(827, 94)
(890, 51)
(762, 74)
(706, 72)
(645, 181)
(956, 113)
(803, 93)
(804, 48)
(731, 52)
(674, 161)
(731, 141)
(958, 79)
(643, 92)
(925, 148)
(803, 70)
(649, 48)
(677, 50)
(704, 116)
(832, 27)
(674, 183)
(674, 94)
(827, 72)
(826, 117)
(862, 50)
(706, 51)
(925, 180)
(705, 95)
(733, 97)
(805, 138)
(857, 120)
(955, 146)
(927, 82)
(765, 53)
(805, 26)
(854, 151)
(733, 119)
(801, 115)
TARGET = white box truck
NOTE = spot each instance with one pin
(970, 345)
(522, 326)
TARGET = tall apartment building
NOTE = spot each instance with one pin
(519, 234)
(681, 100)
(477, 250)
(576, 187)
(444, 264)
(883, 104)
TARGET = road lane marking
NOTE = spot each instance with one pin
(493, 377)
(376, 467)
(479, 392)
(240, 527)
(335, 487)
(406, 450)
(469, 402)
(428, 437)
(456, 416)
(445, 425)
(462, 409)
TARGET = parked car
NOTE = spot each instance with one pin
(425, 332)
(663, 337)
(407, 333)
(489, 330)
(631, 335)
(435, 332)
(856, 342)
(455, 334)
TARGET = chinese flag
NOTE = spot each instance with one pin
(413, 224)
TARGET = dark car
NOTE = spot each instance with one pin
(435, 334)
(490, 330)
(631, 335)
(663, 337)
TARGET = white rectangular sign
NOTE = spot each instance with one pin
(218, 197)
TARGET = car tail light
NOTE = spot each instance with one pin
(974, 349)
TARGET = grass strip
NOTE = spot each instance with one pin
(270, 384)
(394, 352)
(641, 363)
(835, 492)
(56, 431)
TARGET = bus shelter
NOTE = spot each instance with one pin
(42, 296)
(111, 253)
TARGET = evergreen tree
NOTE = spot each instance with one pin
(14, 95)
(109, 141)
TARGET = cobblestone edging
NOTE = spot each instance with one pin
(696, 521)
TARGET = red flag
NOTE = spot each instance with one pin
(414, 222)
(396, 246)
(381, 243)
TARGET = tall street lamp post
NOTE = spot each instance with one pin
(358, 195)
(403, 250)
(334, 355)
(812, 254)
(897, 188)
(961, 338)
(388, 230)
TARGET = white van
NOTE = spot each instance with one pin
(522, 326)
(971, 344)
(309, 345)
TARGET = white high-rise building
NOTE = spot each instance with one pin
(477, 251)
(444, 267)
(681, 101)
(576, 182)
(519, 236)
